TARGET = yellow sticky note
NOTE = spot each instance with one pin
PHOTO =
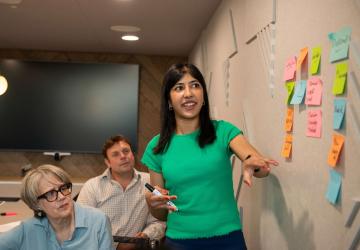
(340, 78)
(337, 143)
(289, 119)
(290, 89)
(302, 56)
(315, 60)
(286, 150)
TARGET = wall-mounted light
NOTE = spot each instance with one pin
(3, 85)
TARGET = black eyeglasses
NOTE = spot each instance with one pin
(52, 195)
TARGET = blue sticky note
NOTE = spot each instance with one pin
(334, 185)
(339, 112)
(340, 44)
(300, 89)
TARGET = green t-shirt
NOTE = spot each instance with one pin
(202, 180)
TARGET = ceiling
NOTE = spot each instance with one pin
(168, 27)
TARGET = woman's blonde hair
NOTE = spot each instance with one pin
(30, 184)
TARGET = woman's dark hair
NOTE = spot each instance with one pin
(168, 123)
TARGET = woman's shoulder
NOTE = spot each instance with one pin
(154, 141)
(222, 123)
(88, 211)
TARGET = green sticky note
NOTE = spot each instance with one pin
(290, 89)
(340, 78)
(315, 60)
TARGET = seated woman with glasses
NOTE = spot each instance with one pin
(58, 223)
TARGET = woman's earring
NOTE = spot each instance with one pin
(39, 213)
(170, 107)
(204, 103)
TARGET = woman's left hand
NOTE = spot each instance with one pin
(258, 166)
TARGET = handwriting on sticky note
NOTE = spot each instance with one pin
(334, 153)
(302, 56)
(339, 112)
(315, 60)
(313, 91)
(289, 119)
(290, 69)
(287, 146)
(299, 92)
(340, 44)
(313, 123)
(340, 78)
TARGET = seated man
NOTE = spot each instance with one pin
(120, 193)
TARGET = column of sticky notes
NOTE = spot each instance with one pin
(340, 42)
(310, 90)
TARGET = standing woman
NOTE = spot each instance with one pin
(58, 222)
(190, 158)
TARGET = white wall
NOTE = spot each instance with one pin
(288, 209)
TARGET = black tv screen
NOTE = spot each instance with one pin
(67, 107)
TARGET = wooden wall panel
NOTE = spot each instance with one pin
(83, 166)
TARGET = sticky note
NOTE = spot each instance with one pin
(290, 69)
(334, 186)
(313, 91)
(287, 146)
(289, 119)
(302, 56)
(340, 44)
(339, 112)
(340, 78)
(290, 91)
(315, 60)
(299, 92)
(334, 153)
(313, 123)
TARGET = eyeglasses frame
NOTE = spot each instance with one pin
(67, 186)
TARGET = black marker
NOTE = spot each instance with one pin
(157, 193)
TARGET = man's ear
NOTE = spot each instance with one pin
(107, 163)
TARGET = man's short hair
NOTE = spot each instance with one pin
(112, 141)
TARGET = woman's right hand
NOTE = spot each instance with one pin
(160, 202)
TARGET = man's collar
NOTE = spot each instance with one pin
(107, 174)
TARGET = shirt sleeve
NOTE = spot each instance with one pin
(12, 239)
(226, 131)
(105, 236)
(87, 195)
(151, 160)
(154, 228)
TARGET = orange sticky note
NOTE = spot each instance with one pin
(286, 150)
(302, 56)
(337, 143)
(289, 119)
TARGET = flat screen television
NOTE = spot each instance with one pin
(67, 107)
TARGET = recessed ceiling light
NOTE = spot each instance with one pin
(3, 85)
(130, 38)
(125, 28)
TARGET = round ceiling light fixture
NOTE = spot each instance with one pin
(125, 28)
(130, 37)
(129, 33)
(3, 85)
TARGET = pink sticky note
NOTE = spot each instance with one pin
(290, 68)
(313, 91)
(313, 128)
